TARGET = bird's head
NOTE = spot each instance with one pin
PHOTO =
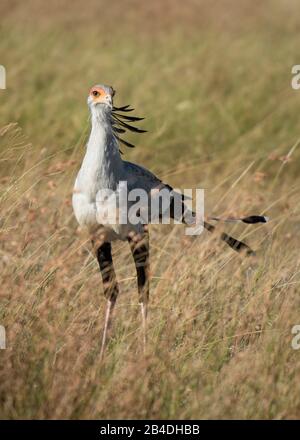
(101, 98)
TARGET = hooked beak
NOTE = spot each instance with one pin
(108, 100)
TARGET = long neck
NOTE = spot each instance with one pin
(102, 162)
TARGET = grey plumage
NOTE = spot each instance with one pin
(103, 169)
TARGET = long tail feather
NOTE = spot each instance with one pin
(252, 219)
(235, 244)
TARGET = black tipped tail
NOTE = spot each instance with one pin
(252, 219)
(235, 244)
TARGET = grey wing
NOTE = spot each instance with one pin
(138, 177)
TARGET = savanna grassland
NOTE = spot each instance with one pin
(213, 80)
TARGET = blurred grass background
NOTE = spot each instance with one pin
(213, 80)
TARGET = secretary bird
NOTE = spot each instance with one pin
(103, 169)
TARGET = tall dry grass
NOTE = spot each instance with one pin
(214, 83)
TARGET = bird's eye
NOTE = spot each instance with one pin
(95, 93)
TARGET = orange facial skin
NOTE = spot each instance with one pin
(97, 94)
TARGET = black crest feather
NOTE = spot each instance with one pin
(122, 122)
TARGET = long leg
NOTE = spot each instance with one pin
(110, 286)
(139, 246)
